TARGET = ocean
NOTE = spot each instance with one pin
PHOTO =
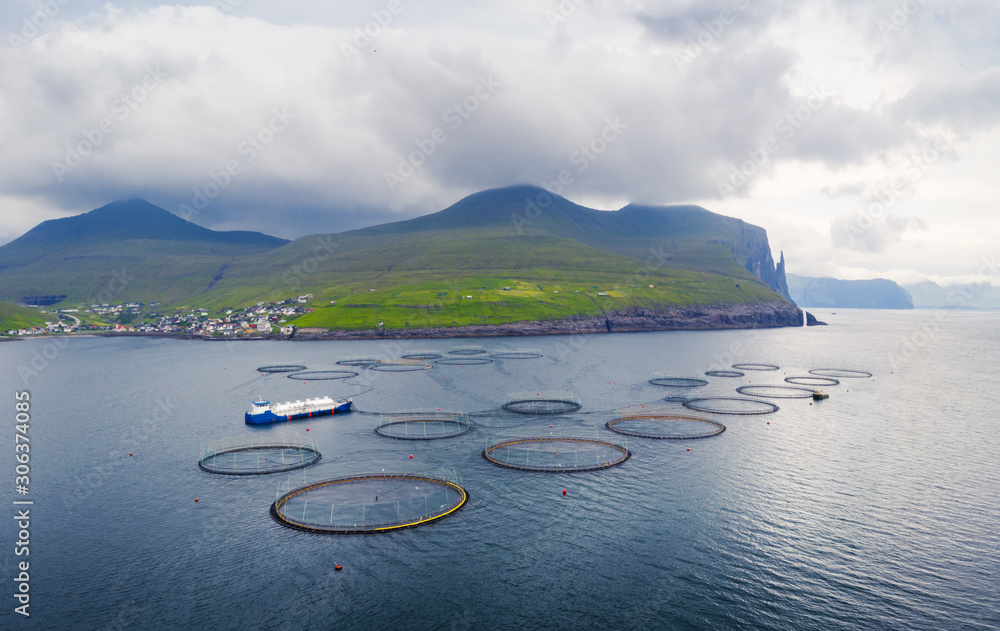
(878, 508)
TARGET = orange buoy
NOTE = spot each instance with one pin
(196, 499)
(337, 567)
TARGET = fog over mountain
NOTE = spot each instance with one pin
(861, 135)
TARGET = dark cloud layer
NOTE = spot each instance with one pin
(315, 117)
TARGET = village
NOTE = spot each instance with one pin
(139, 318)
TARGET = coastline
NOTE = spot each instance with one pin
(774, 314)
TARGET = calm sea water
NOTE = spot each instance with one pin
(876, 509)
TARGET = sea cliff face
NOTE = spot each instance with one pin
(759, 262)
(778, 313)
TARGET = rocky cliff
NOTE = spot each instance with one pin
(755, 250)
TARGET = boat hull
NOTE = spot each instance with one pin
(270, 417)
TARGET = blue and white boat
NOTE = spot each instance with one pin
(267, 412)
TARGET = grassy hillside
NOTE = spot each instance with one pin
(15, 317)
(426, 279)
(557, 261)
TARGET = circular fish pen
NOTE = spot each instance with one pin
(665, 426)
(730, 405)
(390, 366)
(251, 455)
(359, 361)
(281, 368)
(751, 366)
(463, 361)
(813, 381)
(542, 403)
(322, 375)
(366, 503)
(525, 354)
(840, 373)
(724, 373)
(776, 392)
(424, 426)
(555, 454)
(421, 355)
(467, 351)
(662, 379)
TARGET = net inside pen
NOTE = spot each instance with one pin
(840, 373)
(730, 405)
(555, 454)
(424, 426)
(322, 375)
(281, 368)
(367, 503)
(665, 426)
(403, 366)
(246, 457)
(542, 403)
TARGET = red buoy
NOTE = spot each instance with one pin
(411, 456)
(564, 491)
(130, 453)
(689, 449)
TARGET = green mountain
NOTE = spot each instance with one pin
(878, 293)
(15, 317)
(681, 236)
(499, 256)
(126, 250)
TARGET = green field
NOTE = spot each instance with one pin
(15, 317)
(466, 300)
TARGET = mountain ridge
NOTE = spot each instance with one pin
(127, 220)
(877, 293)
(519, 253)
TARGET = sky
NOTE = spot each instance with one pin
(863, 135)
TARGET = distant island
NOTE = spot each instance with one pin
(510, 261)
(930, 295)
(879, 293)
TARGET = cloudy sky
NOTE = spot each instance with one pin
(862, 134)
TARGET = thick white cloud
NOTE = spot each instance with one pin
(319, 125)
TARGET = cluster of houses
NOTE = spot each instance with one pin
(260, 319)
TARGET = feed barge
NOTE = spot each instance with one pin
(267, 412)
